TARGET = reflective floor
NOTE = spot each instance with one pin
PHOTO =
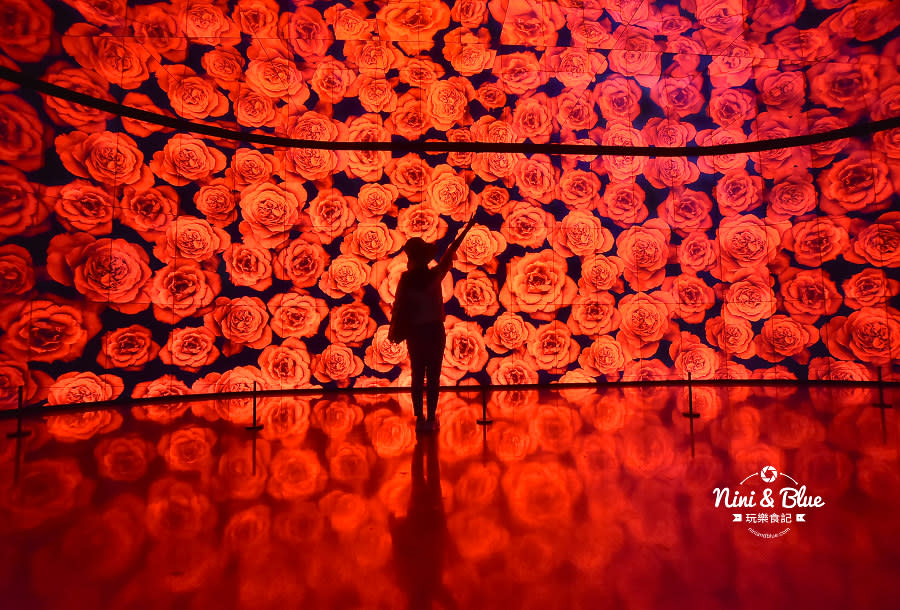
(570, 499)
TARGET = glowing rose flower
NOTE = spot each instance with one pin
(574, 67)
(491, 95)
(869, 288)
(447, 192)
(775, 163)
(644, 250)
(645, 320)
(128, 348)
(270, 211)
(312, 163)
(533, 119)
(781, 90)
(186, 159)
(816, 241)
(809, 294)
(519, 73)
(508, 332)
(866, 334)
(536, 178)
(188, 448)
(587, 32)
(512, 370)
(686, 210)
(580, 234)
(465, 350)
(538, 284)
(181, 290)
(623, 168)
(749, 296)
(67, 113)
(554, 427)
(21, 210)
(191, 96)
(125, 458)
(336, 418)
(785, 337)
(413, 177)
(859, 183)
(731, 107)
(477, 294)
(286, 366)
(375, 201)
(122, 61)
(250, 167)
(526, 224)
(541, 494)
(337, 364)
(348, 274)
(446, 102)
(190, 349)
(302, 262)
(110, 158)
(843, 83)
(605, 356)
(148, 211)
(16, 271)
(285, 418)
(350, 324)
(331, 80)
(25, 138)
(242, 321)
(160, 412)
(637, 55)
(383, 354)
(878, 244)
(692, 356)
(376, 94)
(600, 273)
(277, 77)
(698, 253)
(83, 425)
(26, 30)
(594, 314)
(391, 434)
(78, 387)
(623, 203)
(295, 474)
(469, 52)
(680, 96)
(348, 23)
(413, 28)
(409, 120)
(580, 190)
(248, 266)
(191, 238)
(296, 314)
(797, 47)
(838, 370)
(745, 242)
(81, 206)
(552, 347)
(45, 331)
(421, 221)
(736, 63)
(690, 297)
(733, 335)
(252, 108)
(724, 163)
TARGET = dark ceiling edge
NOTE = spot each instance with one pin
(426, 146)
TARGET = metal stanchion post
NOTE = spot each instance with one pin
(882, 405)
(690, 412)
(485, 420)
(19, 433)
(255, 427)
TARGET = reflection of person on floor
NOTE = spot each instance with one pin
(418, 318)
(419, 538)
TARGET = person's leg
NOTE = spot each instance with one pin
(417, 362)
(435, 360)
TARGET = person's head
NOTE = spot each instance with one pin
(419, 252)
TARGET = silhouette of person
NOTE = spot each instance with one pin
(419, 539)
(418, 318)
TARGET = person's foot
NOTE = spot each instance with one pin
(422, 424)
(434, 424)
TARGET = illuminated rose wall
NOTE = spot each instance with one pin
(138, 261)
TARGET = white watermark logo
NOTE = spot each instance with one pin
(773, 507)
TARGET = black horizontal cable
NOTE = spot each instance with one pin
(435, 146)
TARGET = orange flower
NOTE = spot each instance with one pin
(552, 347)
(580, 233)
(186, 159)
(413, 27)
(337, 363)
(45, 331)
(538, 284)
(508, 332)
(129, 348)
(270, 211)
(83, 425)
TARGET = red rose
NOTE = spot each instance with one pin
(239, 379)
(296, 314)
(732, 107)
(181, 290)
(252, 108)
(538, 284)
(698, 253)
(645, 320)
(691, 297)
(22, 212)
(692, 357)
(88, 155)
(27, 27)
(191, 238)
(86, 387)
(860, 183)
(125, 458)
(347, 274)
(156, 26)
(190, 349)
(75, 115)
(249, 266)
(45, 331)
(869, 288)
(160, 412)
(686, 210)
(25, 136)
(745, 242)
(465, 350)
(594, 314)
(120, 60)
(878, 244)
(816, 241)
(242, 321)
(749, 296)
(864, 335)
(350, 324)
(330, 216)
(526, 224)
(421, 221)
(413, 29)
(784, 337)
(731, 334)
(302, 262)
(512, 370)
(16, 271)
(375, 201)
(337, 363)
(508, 332)
(129, 348)
(623, 203)
(580, 234)
(148, 211)
(477, 294)
(842, 83)
(644, 249)
(188, 448)
(383, 354)
(312, 163)
(186, 159)
(808, 295)
(391, 434)
(636, 55)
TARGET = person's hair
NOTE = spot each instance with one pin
(419, 251)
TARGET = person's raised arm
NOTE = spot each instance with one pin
(444, 265)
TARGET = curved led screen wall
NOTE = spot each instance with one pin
(139, 261)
